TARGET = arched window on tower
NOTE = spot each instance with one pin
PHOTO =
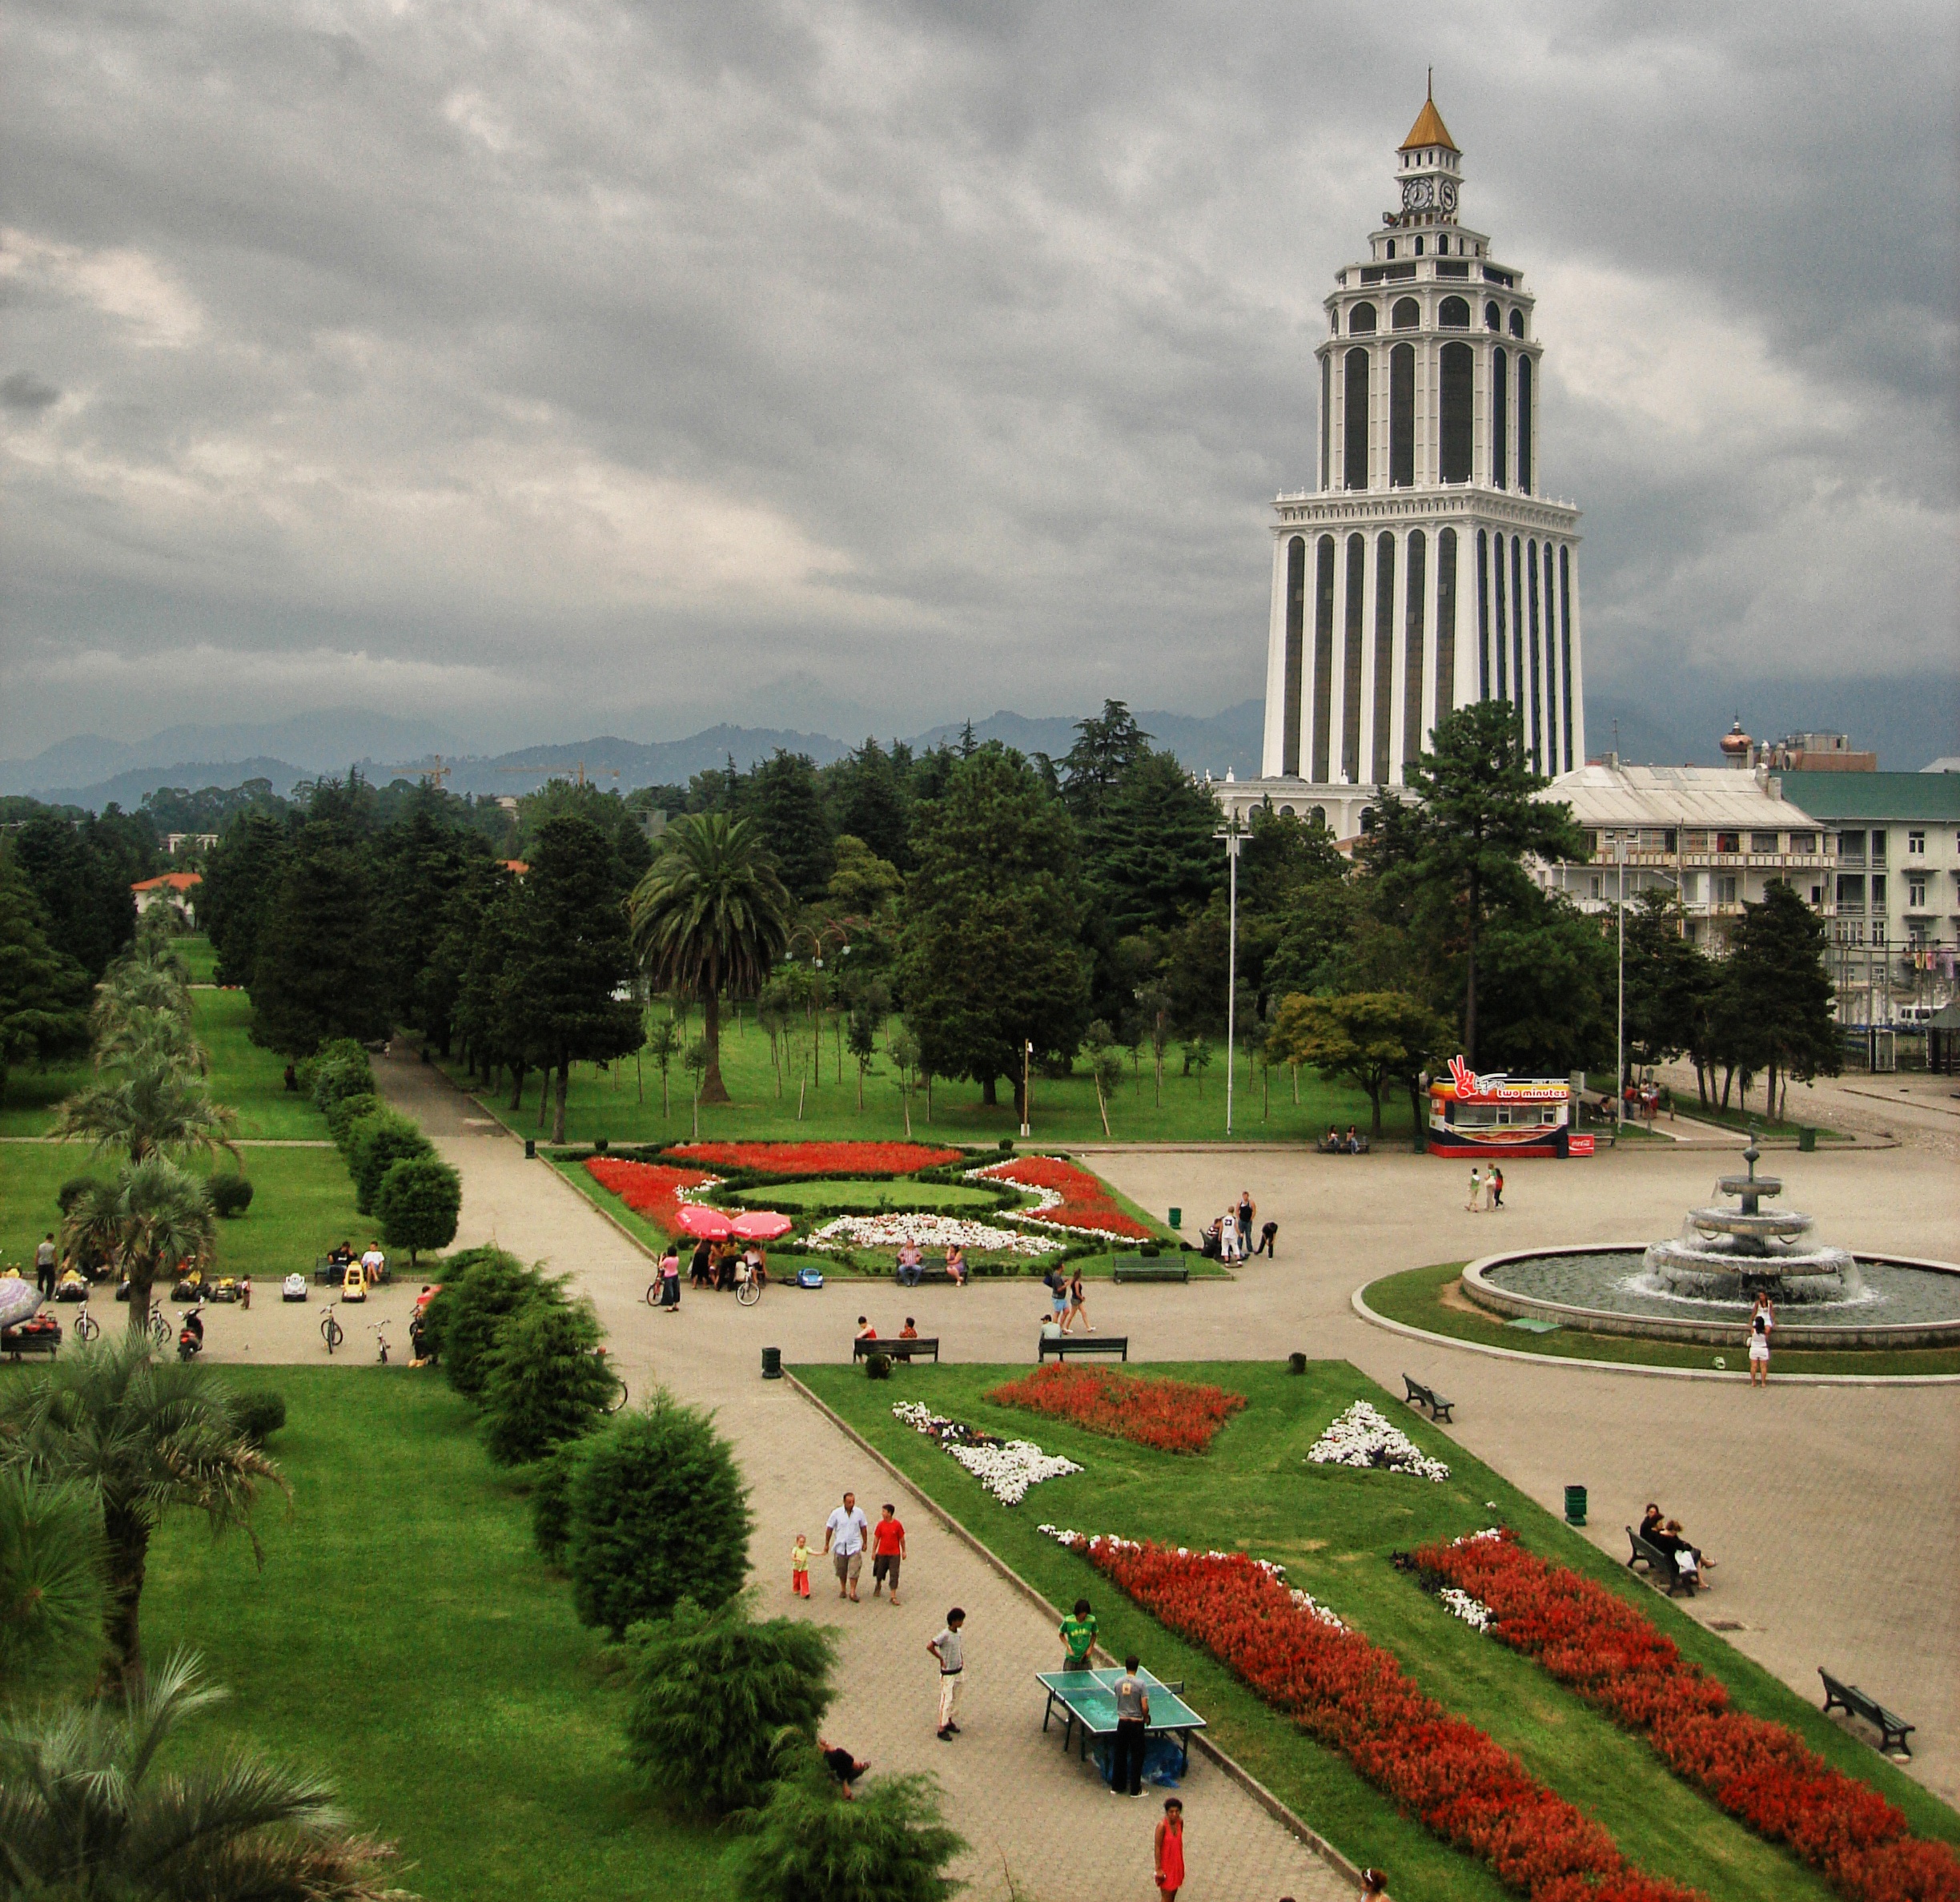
(1500, 419)
(1524, 423)
(1517, 324)
(1361, 320)
(1493, 318)
(1391, 252)
(1351, 659)
(1295, 623)
(1354, 434)
(1483, 616)
(1406, 315)
(1453, 434)
(1323, 655)
(1415, 592)
(1402, 417)
(1419, 251)
(1446, 625)
(1453, 313)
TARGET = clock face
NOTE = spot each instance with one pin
(1416, 194)
(1448, 195)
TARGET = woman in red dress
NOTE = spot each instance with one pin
(1171, 1850)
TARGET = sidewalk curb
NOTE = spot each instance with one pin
(1880, 1381)
(1295, 1825)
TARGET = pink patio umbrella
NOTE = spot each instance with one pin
(763, 1225)
(709, 1224)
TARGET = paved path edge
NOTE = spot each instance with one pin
(1294, 1824)
(1358, 1302)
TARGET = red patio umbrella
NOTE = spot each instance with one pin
(762, 1224)
(710, 1225)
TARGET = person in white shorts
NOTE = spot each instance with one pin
(948, 1649)
(1761, 1320)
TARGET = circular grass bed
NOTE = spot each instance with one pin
(847, 1197)
(1430, 1299)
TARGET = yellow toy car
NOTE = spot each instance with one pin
(355, 1287)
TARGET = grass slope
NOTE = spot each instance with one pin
(1334, 1529)
(405, 1639)
(1414, 1298)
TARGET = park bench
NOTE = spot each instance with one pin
(1892, 1728)
(1428, 1398)
(862, 1350)
(928, 1271)
(1340, 1148)
(1060, 1346)
(29, 1338)
(1154, 1267)
(1660, 1564)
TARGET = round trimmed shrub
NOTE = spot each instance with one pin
(340, 1068)
(481, 1288)
(544, 1381)
(343, 1112)
(418, 1203)
(230, 1193)
(259, 1413)
(877, 1367)
(375, 1144)
(712, 1694)
(659, 1512)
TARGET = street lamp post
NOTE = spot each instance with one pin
(1619, 1013)
(1027, 1102)
(1234, 837)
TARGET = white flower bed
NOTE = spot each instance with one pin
(1006, 1468)
(924, 1230)
(1473, 1612)
(1109, 1542)
(1364, 1436)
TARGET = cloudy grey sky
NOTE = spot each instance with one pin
(568, 366)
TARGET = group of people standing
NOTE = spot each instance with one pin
(1230, 1238)
(718, 1266)
(1486, 1190)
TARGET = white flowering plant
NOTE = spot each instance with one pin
(1364, 1436)
(1473, 1612)
(923, 1231)
(1006, 1468)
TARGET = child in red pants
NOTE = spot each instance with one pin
(799, 1567)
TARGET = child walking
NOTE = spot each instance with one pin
(1171, 1850)
(799, 1567)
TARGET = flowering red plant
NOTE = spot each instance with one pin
(1173, 1416)
(1608, 1651)
(1071, 1197)
(647, 1189)
(1351, 1695)
(819, 1158)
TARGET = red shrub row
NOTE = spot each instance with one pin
(1173, 1416)
(1762, 1774)
(1085, 1205)
(819, 1158)
(647, 1189)
(1351, 1695)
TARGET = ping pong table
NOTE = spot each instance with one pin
(1087, 1700)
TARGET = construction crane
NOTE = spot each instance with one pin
(436, 774)
(576, 772)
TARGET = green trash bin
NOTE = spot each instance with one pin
(530, 1148)
(771, 1363)
(1806, 1138)
(1575, 1505)
(1177, 1218)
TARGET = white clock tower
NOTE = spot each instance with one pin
(1425, 570)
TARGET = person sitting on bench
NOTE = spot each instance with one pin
(1353, 1144)
(1651, 1521)
(911, 1264)
(956, 1264)
(1686, 1558)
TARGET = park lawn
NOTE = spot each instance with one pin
(857, 1197)
(622, 1104)
(1334, 1529)
(1414, 1298)
(302, 1203)
(201, 955)
(404, 1639)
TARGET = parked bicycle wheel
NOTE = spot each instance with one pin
(87, 1326)
(332, 1333)
(748, 1292)
(159, 1327)
(653, 1294)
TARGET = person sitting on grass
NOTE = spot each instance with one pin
(956, 1265)
(842, 1765)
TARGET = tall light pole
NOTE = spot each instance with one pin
(1620, 1014)
(1234, 836)
(1027, 1102)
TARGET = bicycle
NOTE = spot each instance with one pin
(379, 1331)
(749, 1289)
(159, 1325)
(331, 1330)
(87, 1326)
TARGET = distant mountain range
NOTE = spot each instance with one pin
(90, 771)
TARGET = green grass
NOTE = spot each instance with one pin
(609, 1104)
(1334, 1529)
(198, 953)
(1744, 1120)
(302, 1203)
(404, 1639)
(1414, 1297)
(870, 1198)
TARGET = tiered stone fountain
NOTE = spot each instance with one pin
(1748, 1250)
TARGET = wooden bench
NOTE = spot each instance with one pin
(1153, 1268)
(862, 1349)
(1341, 1147)
(16, 1342)
(1058, 1347)
(1892, 1728)
(928, 1271)
(1426, 1398)
(1660, 1564)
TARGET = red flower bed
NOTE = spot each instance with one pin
(1073, 1199)
(648, 1189)
(1351, 1695)
(819, 1158)
(1606, 1650)
(1173, 1416)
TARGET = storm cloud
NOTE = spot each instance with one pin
(569, 366)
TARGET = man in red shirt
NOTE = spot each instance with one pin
(888, 1548)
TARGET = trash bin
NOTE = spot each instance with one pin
(771, 1363)
(1806, 1138)
(1575, 1506)
(1296, 1363)
(530, 1148)
(1177, 1218)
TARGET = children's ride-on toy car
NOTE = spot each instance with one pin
(293, 1288)
(353, 1284)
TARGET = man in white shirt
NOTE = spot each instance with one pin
(844, 1533)
(374, 1264)
(950, 1649)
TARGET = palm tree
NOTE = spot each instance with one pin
(138, 1034)
(710, 914)
(84, 1811)
(145, 980)
(50, 1575)
(155, 1106)
(154, 1222)
(145, 1437)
